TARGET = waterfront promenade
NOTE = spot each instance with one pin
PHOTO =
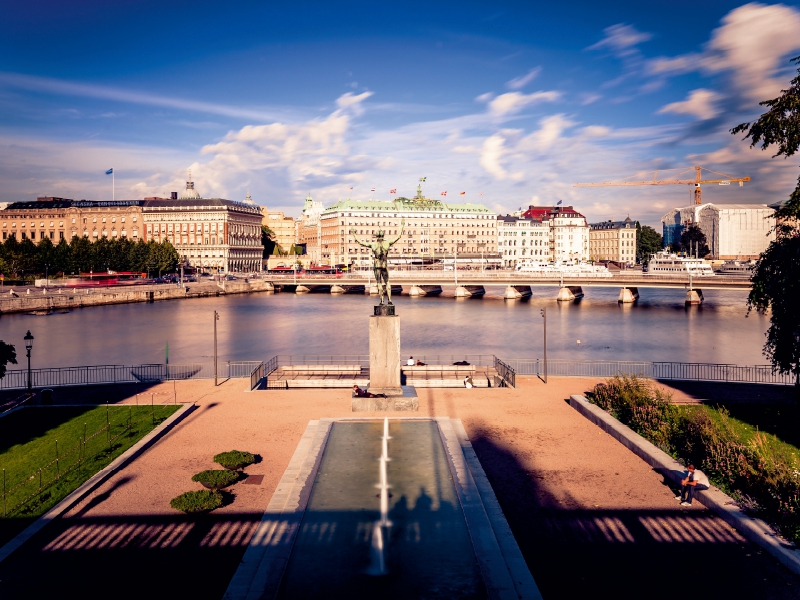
(589, 516)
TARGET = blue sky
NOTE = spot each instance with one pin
(511, 103)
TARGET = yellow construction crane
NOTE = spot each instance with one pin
(675, 180)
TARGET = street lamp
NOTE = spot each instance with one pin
(216, 318)
(28, 345)
(544, 316)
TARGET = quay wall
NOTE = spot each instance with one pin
(66, 299)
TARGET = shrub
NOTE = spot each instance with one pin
(216, 479)
(753, 471)
(197, 502)
(235, 459)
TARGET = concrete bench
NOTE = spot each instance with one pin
(321, 369)
(438, 369)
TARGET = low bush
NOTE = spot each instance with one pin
(235, 459)
(762, 477)
(216, 479)
(197, 502)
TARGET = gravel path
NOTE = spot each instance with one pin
(591, 518)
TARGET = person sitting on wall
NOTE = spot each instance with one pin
(365, 394)
(410, 361)
(421, 364)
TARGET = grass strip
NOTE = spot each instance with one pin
(53, 450)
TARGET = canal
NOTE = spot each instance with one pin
(258, 326)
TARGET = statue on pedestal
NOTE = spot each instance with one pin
(380, 255)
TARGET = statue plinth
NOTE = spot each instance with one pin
(384, 352)
(384, 310)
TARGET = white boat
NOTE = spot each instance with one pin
(735, 268)
(571, 269)
(664, 263)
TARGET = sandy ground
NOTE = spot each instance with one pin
(589, 516)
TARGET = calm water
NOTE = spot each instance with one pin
(258, 326)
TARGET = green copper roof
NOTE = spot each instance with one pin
(406, 204)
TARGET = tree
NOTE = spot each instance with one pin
(267, 240)
(693, 241)
(648, 241)
(8, 354)
(776, 277)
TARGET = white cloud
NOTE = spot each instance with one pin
(68, 88)
(621, 40)
(513, 102)
(751, 44)
(520, 82)
(700, 103)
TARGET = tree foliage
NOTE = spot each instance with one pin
(648, 241)
(268, 241)
(82, 256)
(8, 354)
(693, 241)
(776, 278)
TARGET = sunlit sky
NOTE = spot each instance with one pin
(511, 103)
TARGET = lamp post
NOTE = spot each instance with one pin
(28, 345)
(216, 318)
(544, 316)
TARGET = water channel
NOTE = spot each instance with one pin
(258, 326)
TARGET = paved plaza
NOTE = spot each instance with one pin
(589, 516)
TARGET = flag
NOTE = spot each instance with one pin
(371, 189)
(463, 194)
(443, 194)
(109, 172)
(394, 191)
(559, 202)
(423, 179)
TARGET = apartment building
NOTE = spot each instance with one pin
(613, 240)
(520, 239)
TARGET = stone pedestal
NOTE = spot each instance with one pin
(384, 352)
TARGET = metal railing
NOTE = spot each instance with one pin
(257, 375)
(508, 376)
(651, 370)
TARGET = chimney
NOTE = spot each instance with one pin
(173, 195)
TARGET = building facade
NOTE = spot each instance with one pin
(433, 230)
(282, 227)
(569, 231)
(733, 231)
(64, 218)
(614, 241)
(520, 239)
(208, 233)
(737, 231)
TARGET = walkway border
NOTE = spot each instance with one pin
(95, 480)
(754, 530)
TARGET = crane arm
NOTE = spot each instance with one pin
(663, 182)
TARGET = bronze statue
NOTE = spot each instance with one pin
(380, 255)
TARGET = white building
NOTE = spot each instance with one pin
(733, 231)
(569, 231)
(520, 239)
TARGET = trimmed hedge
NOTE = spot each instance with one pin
(197, 502)
(235, 459)
(216, 479)
(762, 479)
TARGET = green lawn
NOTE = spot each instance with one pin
(45, 458)
(777, 424)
